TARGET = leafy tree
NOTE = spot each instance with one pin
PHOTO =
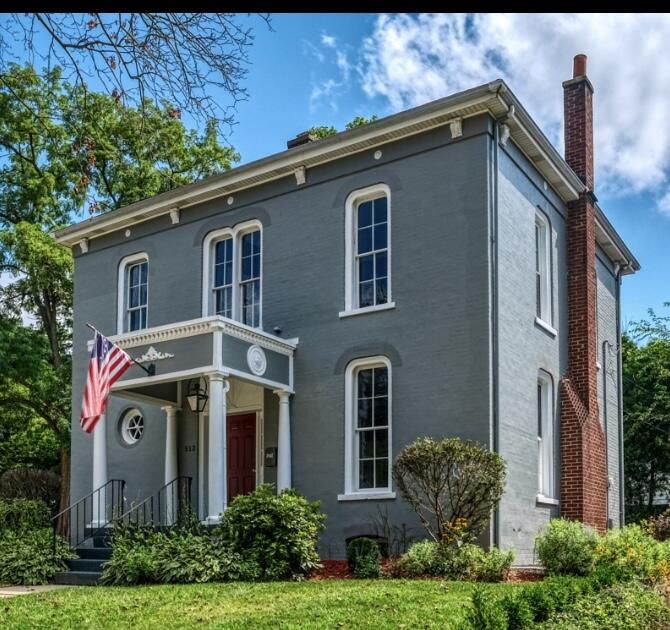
(61, 159)
(646, 392)
(453, 485)
(325, 131)
(189, 59)
(360, 121)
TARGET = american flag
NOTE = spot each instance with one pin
(106, 366)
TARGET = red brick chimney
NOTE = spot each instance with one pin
(583, 464)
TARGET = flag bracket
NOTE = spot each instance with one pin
(150, 370)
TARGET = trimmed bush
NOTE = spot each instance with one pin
(422, 558)
(26, 556)
(18, 514)
(276, 532)
(31, 483)
(566, 547)
(453, 485)
(363, 557)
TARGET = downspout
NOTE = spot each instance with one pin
(603, 369)
(622, 489)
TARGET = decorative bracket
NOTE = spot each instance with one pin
(174, 216)
(456, 128)
(300, 174)
(153, 355)
(83, 245)
(504, 134)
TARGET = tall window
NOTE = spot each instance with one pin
(232, 273)
(545, 435)
(368, 455)
(133, 293)
(542, 268)
(368, 249)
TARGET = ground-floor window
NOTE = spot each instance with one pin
(545, 434)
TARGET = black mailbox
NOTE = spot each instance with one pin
(271, 456)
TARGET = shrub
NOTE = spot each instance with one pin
(31, 483)
(623, 606)
(422, 558)
(26, 556)
(566, 547)
(658, 526)
(18, 514)
(450, 483)
(133, 559)
(630, 553)
(363, 557)
(485, 612)
(276, 532)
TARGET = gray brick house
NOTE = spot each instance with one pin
(437, 272)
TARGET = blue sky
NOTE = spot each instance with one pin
(326, 69)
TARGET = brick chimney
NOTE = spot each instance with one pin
(583, 464)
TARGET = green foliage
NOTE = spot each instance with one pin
(646, 393)
(276, 532)
(359, 121)
(453, 485)
(363, 557)
(31, 483)
(422, 558)
(19, 514)
(26, 556)
(325, 131)
(658, 526)
(133, 559)
(621, 607)
(566, 547)
(485, 613)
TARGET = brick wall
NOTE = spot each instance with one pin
(583, 463)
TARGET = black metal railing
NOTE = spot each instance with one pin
(168, 507)
(92, 514)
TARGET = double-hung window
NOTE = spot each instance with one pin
(368, 429)
(368, 250)
(133, 293)
(545, 436)
(232, 273)
(543, 282)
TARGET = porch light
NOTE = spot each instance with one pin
(196, 396)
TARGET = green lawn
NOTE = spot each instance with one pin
(329, 604)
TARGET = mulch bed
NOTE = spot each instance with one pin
(339, 570)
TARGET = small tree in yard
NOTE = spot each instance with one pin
(451, 484)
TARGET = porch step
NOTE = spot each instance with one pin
(79, 578)
(94, 553)
(88, 565)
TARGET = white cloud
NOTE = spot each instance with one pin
(333, 80)
(664, 203)
(413, 59)
(325, 91)
(328, 40)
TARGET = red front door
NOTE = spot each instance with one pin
(241, 454)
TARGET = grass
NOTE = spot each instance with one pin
(328, 604)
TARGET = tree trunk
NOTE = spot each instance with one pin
(63, 524)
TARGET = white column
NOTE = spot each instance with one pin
(218, 467)
(99, 470)
(170, 460)
(283, 442)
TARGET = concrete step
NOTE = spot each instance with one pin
(94, 553)
(79, 578)
(89, 565)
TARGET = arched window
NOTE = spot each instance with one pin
(543, 280)
(133, 293)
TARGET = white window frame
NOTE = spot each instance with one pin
(126, 437)
(352, 202)
(351, 490)
(546, 448)
(235, 232)
(543, 260)
(122, 290)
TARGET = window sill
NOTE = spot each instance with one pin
(368, 309)
(540, 499)
(546, 327)
(366, 496)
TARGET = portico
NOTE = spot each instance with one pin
(236, 367)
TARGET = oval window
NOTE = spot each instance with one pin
(132, 427)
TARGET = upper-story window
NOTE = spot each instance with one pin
(543, 283)
(368, 249)
(545, 435)
(232, 273)
(368, 428)
(133, 293)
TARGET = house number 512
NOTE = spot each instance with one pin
(189, 448)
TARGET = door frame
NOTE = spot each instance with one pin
(260, 437)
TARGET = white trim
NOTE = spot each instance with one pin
(545, 262)
(350, 414)
(165, 378)
(201, 464)
(202, 326)
(260, 440)
(365, 496)
(259, 380)
(128, 439)
(355, 198)
(546, 468)
(541, 499)
(368, 309)
(456, 128)
(235, 233)
(121, 289)
(542, 324)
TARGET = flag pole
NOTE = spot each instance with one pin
(151, 370)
